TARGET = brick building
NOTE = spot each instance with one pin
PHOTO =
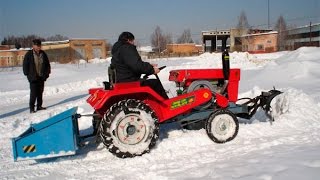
(260, 42)
(12, 57)
(75, 49)
(59, 51)
(4, 47)
(184, 49)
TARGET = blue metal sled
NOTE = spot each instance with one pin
(56, 136)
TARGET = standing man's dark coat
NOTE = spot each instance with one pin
(36, 67)
(29, 68)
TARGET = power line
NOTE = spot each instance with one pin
(290, 20)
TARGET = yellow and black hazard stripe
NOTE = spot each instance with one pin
(29, 149)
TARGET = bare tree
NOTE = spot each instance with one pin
(185, 37)
(26, 41)
(21, 41)
(156, 39)
(159, 40)
(168, 39)
(281, 27)
(57, 37)
(243, 21)
(4, 41)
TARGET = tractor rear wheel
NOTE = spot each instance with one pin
(222, 126)
(130, 128)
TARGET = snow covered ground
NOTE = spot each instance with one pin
(287, 149)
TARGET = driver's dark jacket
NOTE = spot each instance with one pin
(128, 63)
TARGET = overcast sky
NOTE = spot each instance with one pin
(108, 18)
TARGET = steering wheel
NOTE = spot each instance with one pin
(146, 76)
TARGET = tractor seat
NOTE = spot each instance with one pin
(112, 78)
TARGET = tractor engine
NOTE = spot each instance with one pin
(188, 80)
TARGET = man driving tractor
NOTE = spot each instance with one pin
(129, 66)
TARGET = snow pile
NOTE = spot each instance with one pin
(97, 60)
(145, 49)
(245, 61)
(286, 149)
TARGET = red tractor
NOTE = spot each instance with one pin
(129, 115)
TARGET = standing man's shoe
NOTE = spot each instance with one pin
(41, 108)
(32, 111)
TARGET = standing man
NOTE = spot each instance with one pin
(36, 67)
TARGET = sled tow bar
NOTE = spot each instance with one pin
(77, 116)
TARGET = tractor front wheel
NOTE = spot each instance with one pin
(222, 126)
(130, 128)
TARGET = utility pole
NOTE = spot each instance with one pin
(310, 35)
(268, 14)
(216, 39)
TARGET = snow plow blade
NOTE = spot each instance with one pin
(263, 101)
(267, 97)
(56, 136)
